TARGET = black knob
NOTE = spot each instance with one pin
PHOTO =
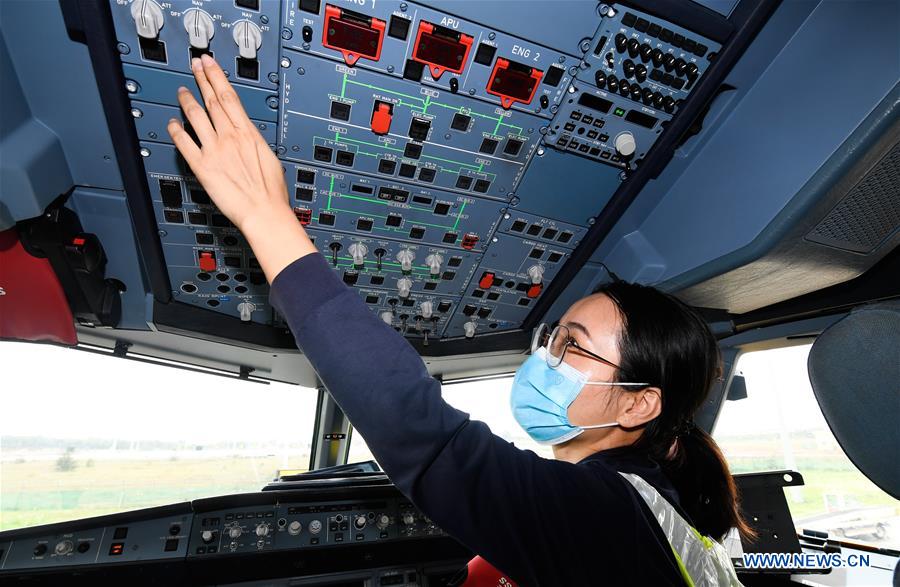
(640, 72)
(657, 57)
(624, 88)
(636, 92)
(545, 101)
(174, 529)
(40, 550)
(621, 43)
(454, 85)
(645, 51)
(669, 61)
(669, 104)
(612, 82)
(633, 47)
(647, 96)
(657, 99)
(83, 547)
(680, 66)
(600, 79)
(692, 70)
(628, 68)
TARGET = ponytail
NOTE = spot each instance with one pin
(699, 472)
(667, 344)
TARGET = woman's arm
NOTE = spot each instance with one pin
(499, 501)
(238, 169)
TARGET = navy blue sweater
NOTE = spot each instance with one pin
(540, 521)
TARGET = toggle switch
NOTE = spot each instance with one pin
(381, 118)
(246, 309)
(148, 18)
(434, 262)
(358, 252)
(335, 248)
(379, 255)
(248, 38)
(199, 26)
(406, 258)
(404, 284)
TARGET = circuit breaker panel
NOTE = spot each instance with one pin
(408, 137)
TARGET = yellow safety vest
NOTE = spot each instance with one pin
(703, 561)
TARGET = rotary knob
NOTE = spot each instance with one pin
(359, 522)
(148, 18)
(248, 38)
(200, 28)
(406, 258)
(315, 527)
(262, 530)
(621, 43)
(434, 264)
(625, 144)
(404, 284)
(207, 536)
(294, 528)
(427, 309)
(358, 252)
(234, 532)
(382, 521)
(408, 519)
(64, 547)
(469, 329)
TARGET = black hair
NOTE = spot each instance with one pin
(666, 343)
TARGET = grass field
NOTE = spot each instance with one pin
(36, 493)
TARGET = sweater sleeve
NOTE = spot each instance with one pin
(494, 498)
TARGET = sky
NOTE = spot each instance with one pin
(64, 393)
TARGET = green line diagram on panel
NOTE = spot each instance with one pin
(330, 207)
(427, 102)
(343, 139)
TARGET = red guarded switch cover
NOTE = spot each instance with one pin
(487, 280)
(535, 290)
(207, 261)
(381, 119)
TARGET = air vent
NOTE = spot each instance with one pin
(869, 213)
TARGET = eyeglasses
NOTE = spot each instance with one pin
(557, 342)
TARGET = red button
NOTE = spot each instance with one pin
(78, 241)
(207, 261)
(535, 290)
(381, 119)
(487, 280)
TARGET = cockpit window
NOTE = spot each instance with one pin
(85, 434)
(486, 400)
(779, 426)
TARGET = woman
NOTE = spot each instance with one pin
(612, 389)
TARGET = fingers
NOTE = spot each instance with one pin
(213, 107)
(184, 143)
(226, 95)
(196, 115)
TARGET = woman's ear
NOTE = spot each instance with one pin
(640, 407)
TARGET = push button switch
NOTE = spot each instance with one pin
(381, 118)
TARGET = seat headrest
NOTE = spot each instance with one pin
(854, 368)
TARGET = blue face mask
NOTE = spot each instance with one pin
(541, 396)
